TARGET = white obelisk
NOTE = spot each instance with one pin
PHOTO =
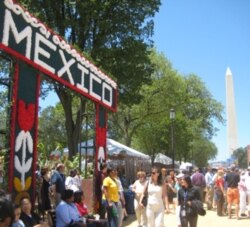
(232, 135)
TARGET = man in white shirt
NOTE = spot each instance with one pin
(209, 188)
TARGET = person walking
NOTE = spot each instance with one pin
(219, 190)
(186, 196)
(138, 189)
(243, 194)
(198, 180)
(232, 178)
(209, 188)
(111, 197)
(156, 190)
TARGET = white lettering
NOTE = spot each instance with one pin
(84, 71)
(106, 101)
(66, 67)
(41, 51)
(98, 80)
(10, 25)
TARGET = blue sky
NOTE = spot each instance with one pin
(204, 38)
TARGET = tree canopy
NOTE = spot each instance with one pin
(115, 34)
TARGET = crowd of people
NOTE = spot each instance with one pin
(223, 190)
(158, 193)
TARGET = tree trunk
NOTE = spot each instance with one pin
(73, 127)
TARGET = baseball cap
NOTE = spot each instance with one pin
(180, 175)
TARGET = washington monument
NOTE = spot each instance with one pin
(232, 135)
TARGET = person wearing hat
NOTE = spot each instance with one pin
(177, 187)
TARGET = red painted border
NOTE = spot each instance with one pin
(35, 155)
(55, 77)
(12, 125)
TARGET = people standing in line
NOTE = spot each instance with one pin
(58, 183)
(101, 210)
(111, 197)
(209, 188)
(186, 195)
(233, 198)
(156, 191)
(45, 203)
(220, 193)
(138, 189)
(198, 180)
(243, 194)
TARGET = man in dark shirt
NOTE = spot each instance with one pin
(198, 180)
(58, 183)
(233, 197)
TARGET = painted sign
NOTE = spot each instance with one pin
(37, 49)
(28, 39)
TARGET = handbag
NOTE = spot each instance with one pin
(144, 200)
(145, 197)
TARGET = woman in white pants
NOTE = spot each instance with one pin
(243, 195)
(138, 188)
(156, 191)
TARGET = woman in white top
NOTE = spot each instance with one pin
(156, 191)
(138, 188)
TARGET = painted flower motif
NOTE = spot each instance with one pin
(26, 115)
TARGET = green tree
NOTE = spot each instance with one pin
(115, 34)
(240, 155)
(195, 110)
(51, 128)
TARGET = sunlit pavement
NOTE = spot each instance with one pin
(210, 220)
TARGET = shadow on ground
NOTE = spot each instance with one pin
(130, 218)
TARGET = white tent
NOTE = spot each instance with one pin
(163, 159)
(114, 148)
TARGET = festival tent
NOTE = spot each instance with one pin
(114, 149)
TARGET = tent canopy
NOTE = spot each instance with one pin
(163, 159)
(114, 148)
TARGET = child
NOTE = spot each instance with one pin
(17, 222)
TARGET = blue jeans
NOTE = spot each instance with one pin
(112, 213)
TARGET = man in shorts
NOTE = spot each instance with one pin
(233, 196)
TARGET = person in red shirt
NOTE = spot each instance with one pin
(219, 191)
(79, 202)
